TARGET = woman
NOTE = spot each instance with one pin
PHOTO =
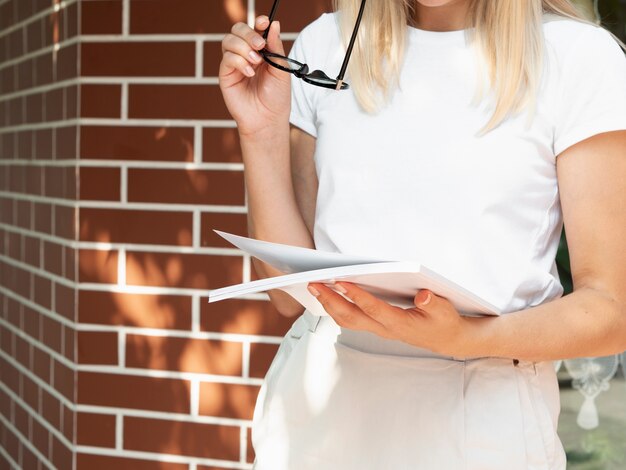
(472, 130)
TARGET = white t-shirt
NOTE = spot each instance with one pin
(414, 183)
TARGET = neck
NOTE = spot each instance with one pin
(449, 17)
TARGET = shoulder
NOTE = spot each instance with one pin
(579, 42)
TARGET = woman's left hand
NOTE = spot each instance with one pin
(432, 324)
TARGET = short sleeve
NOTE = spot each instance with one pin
(592, 96)
(302, 109)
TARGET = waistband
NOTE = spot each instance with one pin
(373, 343)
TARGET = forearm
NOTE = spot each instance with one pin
(273, 214)
(585, 323)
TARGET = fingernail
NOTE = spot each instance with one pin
(254, 56)
(249, 71)
(425, 301)
(313, 290)
(341, 289)
(258, 41)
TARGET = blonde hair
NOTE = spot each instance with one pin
(507, 34)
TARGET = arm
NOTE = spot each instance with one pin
(280, 190)
(591, 321)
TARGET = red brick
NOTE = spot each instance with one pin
(66, 144)
(96, 429)
(70, 20)
(141, 310)
(183, 354)
(71, 101)
(227, 400)
(182, 438)
(105, 462)
(128, 391)
(51, 333)
(69, 334)
(64, 379)
(41, 438)
(43, 144)
(43, 292)
(53, 258)
(51, 409)
(99, 100)
(64, 301)
(22, 352)
(99, 184)
(54, 105)
(101, 17)
(44, 67)
(67, 63)
(98, 266)
(243, 316)
(261, 356)
(31, 320)
(137, 143)
(186, 186)
(30, 392)
(213, 55)
(97, 347)
(61, 455)
(25, 74)
(227, 222)
(185, 16)
(176, 102)
(134, 226)
(154, 59)
(41, 360)
(68, 416)
(183, 270)
(64, 218)
(34, 34)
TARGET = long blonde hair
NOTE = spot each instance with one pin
(507, 34)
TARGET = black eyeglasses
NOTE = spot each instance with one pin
(300, 70)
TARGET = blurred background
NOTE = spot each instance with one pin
(117, 159)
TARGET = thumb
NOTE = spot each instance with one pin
(274, 43)
(424, 299)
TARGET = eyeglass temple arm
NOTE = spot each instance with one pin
(344, 66)
(271, 18)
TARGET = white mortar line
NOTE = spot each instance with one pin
(243, 444)
(121, 348)
(163, 415)
(213, 123)
(5, 454)
(245, 360)
(46, 50)
(194, 399)
(195, 243)
(161, 457)
(197, 145)
(199, 58)
(195, 313)
(42, 14)
(124, 184)
(125, 18)
(9, 426)
(119, 431)
(127, 163)
(124, 100)
(35, 414)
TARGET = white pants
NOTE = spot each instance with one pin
(336, 399)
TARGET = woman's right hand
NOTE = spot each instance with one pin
(261, 99)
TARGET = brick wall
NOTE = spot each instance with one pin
(117, 158)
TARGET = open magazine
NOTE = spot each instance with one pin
(396, 282)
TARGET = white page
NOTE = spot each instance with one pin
(396, 282)
(294, 259)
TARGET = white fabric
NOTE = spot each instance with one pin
(413, 182)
